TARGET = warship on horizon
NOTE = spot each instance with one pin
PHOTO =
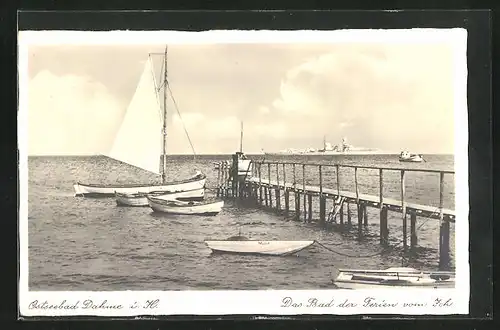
(343, 149)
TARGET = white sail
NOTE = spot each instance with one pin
(139, 139)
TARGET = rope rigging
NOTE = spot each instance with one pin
(180, 117)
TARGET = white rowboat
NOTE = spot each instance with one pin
(193, 183)
(242, 245)
(140, 199)
(398, 277)
(206, 207)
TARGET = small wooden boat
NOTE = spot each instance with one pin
(242, 245)
(405, 156)
(140, 199)
(195, 182)
(172, 206)
(396, 277)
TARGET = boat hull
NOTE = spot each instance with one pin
(361, 286)
(411, 160)
(82, 189)
(185, 208)
(244, 167)
(395, 278)
(272, 248)
(140, 199)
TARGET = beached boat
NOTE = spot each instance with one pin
(242, 245)
(396, 277)
(171, 206)
(140, 199)
(405, 156)
(141, 140)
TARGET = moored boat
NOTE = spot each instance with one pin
(244, 166)
(195, 182)
(172, 206)
(140, 199)
(396, 277)
(138, 141)
(242, 245)
(405, 156)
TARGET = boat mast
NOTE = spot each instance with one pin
(164, 129)
(241, 137)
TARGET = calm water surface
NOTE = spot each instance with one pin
(91, 244)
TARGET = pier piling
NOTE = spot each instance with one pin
(403, 212)
(444, 230)
(309, 210)
(413, 230)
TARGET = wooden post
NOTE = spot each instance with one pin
(384, 238)
(304, 188)
(383, 220)
(349, 221)
(365, 215)
(320, 181)
(338, 179)
(234, 176)
(218, 179)
(297, 205)
(223, 179)
(322, 202)
(358, 204)
(413, 230)
(444, 230)
(296, 195)
(287, 202)
(278, 189)
(269, 187)
(260, 184)
(322, 209)
(266, 195)
(341, 214)
(403, 210)
(309, 207)
(284, 176)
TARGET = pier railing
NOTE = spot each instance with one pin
(307, 180)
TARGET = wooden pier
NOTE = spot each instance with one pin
(268, 184)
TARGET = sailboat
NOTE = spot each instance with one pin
(141, 136)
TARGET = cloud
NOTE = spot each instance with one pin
(363, 91)
(70, 114)
(263, 110)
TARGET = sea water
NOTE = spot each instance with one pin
(80, 243)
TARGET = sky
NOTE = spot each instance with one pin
(378, 95)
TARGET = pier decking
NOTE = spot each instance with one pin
(267, 190)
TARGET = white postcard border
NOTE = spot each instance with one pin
(266, 302)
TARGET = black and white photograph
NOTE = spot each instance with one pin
(263, 172)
